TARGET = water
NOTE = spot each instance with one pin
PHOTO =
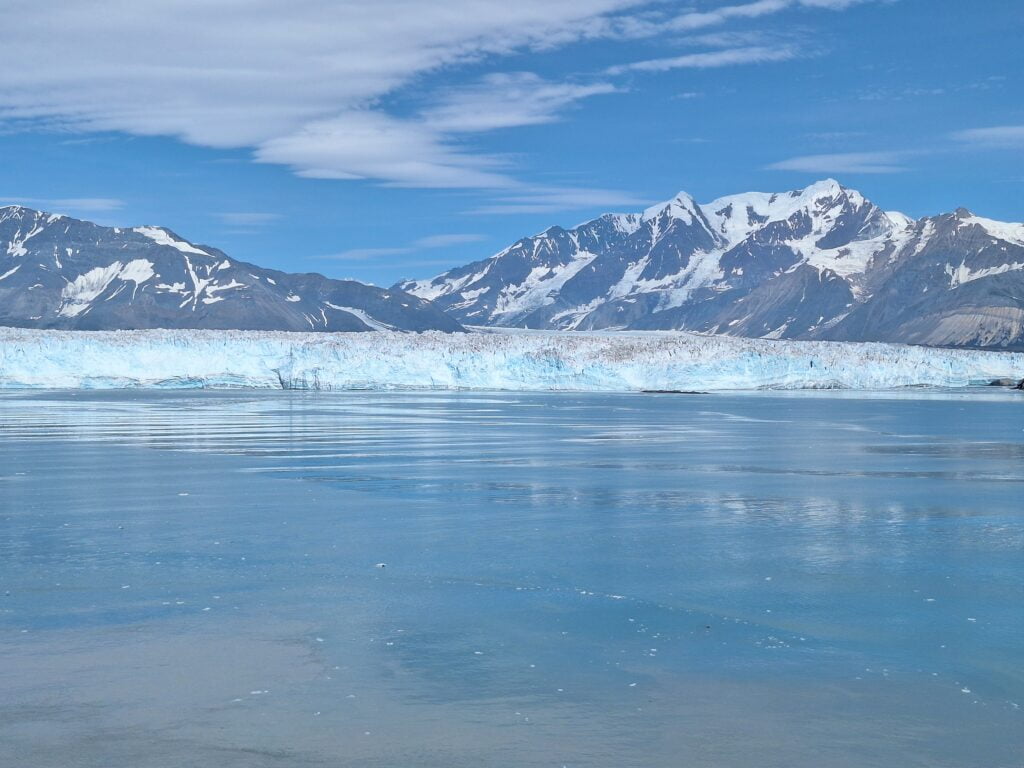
(581, 580)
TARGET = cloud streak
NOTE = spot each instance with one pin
(422, 150)
(430, 242)
(247, 219)
(725, 58)
(555, 200)
(507, 100)
(996, 137)
(68, 204)
(843, 162)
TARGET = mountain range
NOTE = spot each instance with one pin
(817, 263)
(60, 272)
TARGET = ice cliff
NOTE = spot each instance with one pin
(513, 361)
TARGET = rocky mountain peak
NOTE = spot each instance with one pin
(61, 272)
(818, 262)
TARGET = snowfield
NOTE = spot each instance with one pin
(510, 361)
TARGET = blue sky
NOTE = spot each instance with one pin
(397, 138)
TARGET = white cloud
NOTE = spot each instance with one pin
(365, 254)
(372, 145)
(422, 150)
(703, 19)
(834, 135)
(843, 162)
(422, 244)
(306, 84)
(247, 218)
(67, 204)
(507, 100)
(728, 39)
(553, 200)
(299, 82)
(755, 54)
(648, 25)
(444, 241)
(999, 136)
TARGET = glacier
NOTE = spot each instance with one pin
(509, 360)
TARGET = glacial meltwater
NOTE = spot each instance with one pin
(289, 580)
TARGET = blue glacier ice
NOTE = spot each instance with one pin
(521, 361)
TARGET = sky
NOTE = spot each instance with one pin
(385, 139)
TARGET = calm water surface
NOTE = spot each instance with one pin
(191, 579)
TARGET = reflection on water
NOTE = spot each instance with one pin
(586, 580)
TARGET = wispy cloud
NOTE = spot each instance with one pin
(247, 218)
(84, 140)
(310, 85)
(507, 100)
(67, 204)
(372, 145)
(421, 150)
(703, 19)
(364, 254)
(430, 242)
(547, 200)
(830, 136)
(446, 241)
(301, 85)
(843, 162)
(997, 137)
(754, 54)
(651, 24)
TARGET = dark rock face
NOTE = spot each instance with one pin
(818, 263)
(59, 272)
(957, 281)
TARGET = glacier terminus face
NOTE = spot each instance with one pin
(522, 361)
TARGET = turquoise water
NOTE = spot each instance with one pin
(580, 580)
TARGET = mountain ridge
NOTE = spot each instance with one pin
(822, 262)
(65, 273)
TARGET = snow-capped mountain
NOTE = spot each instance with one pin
(60, 272)
(818, 263)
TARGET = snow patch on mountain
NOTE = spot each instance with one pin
(1000, 230)
(161, 236)
(364, 317)
(538, 289)
(79, 294)
(961, 274)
